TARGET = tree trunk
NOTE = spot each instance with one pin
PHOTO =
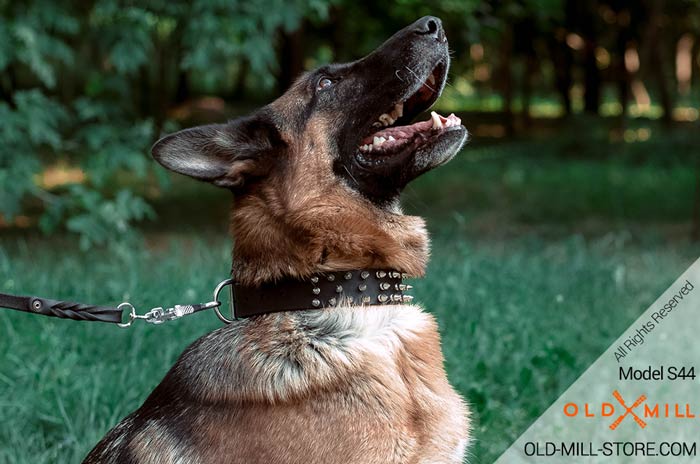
(506, 74)
(591, 75)
(695, 229)
(161, 98)
(563, 60)
(530, 70)
(142, 82)
(622, 75)
(338, 34)
(695, 70)
(525, 33)
(182, 89)
(8, 84)
(291, 54)
(591, 94)
(241, 79)
(658, 61)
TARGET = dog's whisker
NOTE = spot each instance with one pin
(350, 174)
(417, 77)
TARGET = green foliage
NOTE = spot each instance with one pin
(34, 34)
(98, 133)
(30, 126)
(78, 82)
(229, 32)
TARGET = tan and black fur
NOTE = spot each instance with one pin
(346, 384)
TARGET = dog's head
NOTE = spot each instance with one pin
(326, 162)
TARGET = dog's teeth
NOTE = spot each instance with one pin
(437, 124)
(431, 79)
(378, 141)
(377, 124)
(397, 112)
(391, 139)
(386, 119)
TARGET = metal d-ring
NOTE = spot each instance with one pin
(132, 314)
(222, 318)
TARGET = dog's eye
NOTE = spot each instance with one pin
(324, 83)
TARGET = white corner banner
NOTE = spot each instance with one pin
(639, 402)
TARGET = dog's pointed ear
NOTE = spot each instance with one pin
(227, 155)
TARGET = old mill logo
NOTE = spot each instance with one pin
(638, 411)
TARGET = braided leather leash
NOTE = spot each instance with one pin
(62, 309)
(86, 312)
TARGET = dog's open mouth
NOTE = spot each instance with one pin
(392, 134)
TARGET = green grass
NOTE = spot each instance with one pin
(545, 250)
(576, 174)
(520, 320)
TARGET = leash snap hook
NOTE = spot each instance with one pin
(159, 315)
(132, 315)
(151, 316)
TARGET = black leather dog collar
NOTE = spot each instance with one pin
(358, 287)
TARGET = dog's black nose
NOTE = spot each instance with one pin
(431, 27)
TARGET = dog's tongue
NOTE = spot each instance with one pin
(436, 121)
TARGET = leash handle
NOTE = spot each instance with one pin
(85, 312)
(159, 315)
(61, 309)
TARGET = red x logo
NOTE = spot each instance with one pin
(628, 410)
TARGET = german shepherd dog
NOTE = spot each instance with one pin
(317, 176)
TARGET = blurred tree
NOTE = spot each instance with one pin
(656, 36)
(86, 87)
(585, 24)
